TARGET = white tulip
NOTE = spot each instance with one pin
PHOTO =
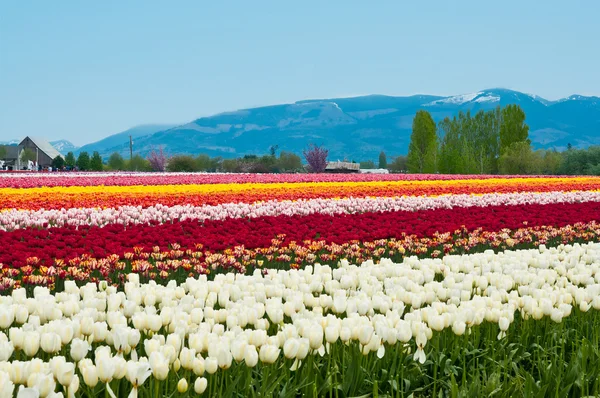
(200, 385)
(79, 349)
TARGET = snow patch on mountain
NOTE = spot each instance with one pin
(487, 98)
(456, 99)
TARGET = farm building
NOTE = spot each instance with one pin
(43, 150)
(342, 167)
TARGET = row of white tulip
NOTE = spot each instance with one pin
(13, 219)
(201, 326)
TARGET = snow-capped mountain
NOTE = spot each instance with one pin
(359, 128)
(64, 146)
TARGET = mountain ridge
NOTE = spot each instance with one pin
(354, 128)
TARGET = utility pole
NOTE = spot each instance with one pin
(130, 148)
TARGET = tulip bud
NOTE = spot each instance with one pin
(90, 375)
(7, 316)
(50, 343)
(290, 348)
(332, 334)
(251, 356)
(79, 349)
(198, 366)
(159, 365)
(315, 337)
(45, 384)
(65, 373)
(200, 385)
(211, 365)
(182, 385)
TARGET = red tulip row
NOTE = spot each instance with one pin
(65, 243)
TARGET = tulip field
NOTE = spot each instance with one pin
(275, 285)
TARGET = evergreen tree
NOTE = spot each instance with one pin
(382, 160)
(83, 161)
(96, 162)
(70, 160)
(422, 150)
(116, 161)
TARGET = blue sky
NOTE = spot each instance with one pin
(82, 70)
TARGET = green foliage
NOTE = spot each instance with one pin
(469, 145)
(367, 164)
(83, 161)
(518, 158)
(398, 165)
(289, 162)
(58, 163)
(27, 155)
(513, 128)
(70, 160)
(382, 160)
(138, 163)
(182, 163)
(116, 161)
(422, 150)
(96, 162)
(2, 151)
(208, 164)
(552, 162)
(580, 161)
(231, 166)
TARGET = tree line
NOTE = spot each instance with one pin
(489, 142)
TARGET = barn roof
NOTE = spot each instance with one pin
(45, 147)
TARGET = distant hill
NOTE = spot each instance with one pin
(357, 128)
(120, 140)
(64, 146)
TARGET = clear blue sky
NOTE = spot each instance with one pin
(82, 70)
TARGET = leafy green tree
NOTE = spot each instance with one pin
(203, 163)
(552, 161)
(138, 163)
(116, 161)
(230, 166)
(382, 160)
(96, 162)
(422, 150)
(367, 164)
(182, 163)
(2, 151)
(70, 160)
(58, 163)
(27, 155)
(398, 165)
(519, 159)
(513, 128)
(289, 162)
(83, 161)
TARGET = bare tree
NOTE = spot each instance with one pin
(316, 157)
(158, 160)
